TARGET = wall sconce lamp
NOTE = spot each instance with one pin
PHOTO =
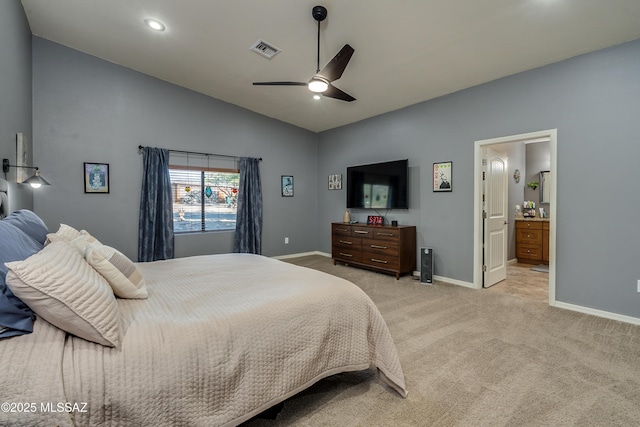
(34, 180)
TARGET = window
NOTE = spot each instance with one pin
(204, 199)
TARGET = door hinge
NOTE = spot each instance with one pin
(484, 214)
(484, 268)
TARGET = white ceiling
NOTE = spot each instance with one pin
(406, 51)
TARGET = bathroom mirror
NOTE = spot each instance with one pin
(545, 187)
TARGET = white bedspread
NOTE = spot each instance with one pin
(220, 339)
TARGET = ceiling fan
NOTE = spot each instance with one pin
(321, 81)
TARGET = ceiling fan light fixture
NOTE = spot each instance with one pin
(154, 24)
(317, 85)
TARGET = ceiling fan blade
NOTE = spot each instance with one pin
(334, 69)
(334, 92)
(279, 84)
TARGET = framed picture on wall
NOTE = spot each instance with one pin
(96, 178)
(335, 182)
(442, 176)
(287, 185)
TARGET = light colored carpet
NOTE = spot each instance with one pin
(479, 358)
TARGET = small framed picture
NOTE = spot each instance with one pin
(96, 178)
(335, 182)
(287, 185)
(442, 176)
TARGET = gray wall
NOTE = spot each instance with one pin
(89, 110)
(86, 109)
(15, 94)
(594, 102)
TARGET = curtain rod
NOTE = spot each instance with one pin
(140, 147)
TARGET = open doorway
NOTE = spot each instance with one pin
(479, 148)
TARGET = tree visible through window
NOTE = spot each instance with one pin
(203, 199)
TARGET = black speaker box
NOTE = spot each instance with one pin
(426, 266)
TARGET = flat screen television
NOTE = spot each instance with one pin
(378, 185)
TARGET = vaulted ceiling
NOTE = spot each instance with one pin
(406, 51)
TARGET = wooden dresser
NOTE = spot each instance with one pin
(388, 249)
(532, 241)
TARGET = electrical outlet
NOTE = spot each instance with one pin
(286, 242)
(638, 285)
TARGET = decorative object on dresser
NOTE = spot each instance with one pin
(532, 241)
(375, 220)
(387, 249)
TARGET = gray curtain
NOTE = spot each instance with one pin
(155, 227)
(248, 236)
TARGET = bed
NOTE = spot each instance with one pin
(215, 340)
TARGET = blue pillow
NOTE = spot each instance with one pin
(16, 318)
(29, 223)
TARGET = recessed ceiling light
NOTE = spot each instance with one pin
(156, 25)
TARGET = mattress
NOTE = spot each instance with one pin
(220, 339)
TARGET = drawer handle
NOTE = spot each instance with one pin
(379, 247)
(528, 235)
(360, 231)
(528, 251)
(385, 234)
(346, 242)
(347, 255)
(341, 229)
(528, 225)
(381, 261)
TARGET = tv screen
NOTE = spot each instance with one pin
(378, 185)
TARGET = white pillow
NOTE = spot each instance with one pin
(62, 288)
(121, 273)
(65, 232)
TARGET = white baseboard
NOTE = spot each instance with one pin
(454, 281)
(598, 313)
(416, 273)
(301, 254)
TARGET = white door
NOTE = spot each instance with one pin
(495, 218)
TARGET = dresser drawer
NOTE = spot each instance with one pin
(387, 247)
(533, 252)
(532, 236)
(529, 225)
(386, 234)
(340, 230)
(391, 262)
(346, 254)
(346, 242)
(362, 231)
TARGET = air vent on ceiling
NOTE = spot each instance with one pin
(265, 49)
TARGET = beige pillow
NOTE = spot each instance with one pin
(83, 240)
(121, 273)
(65, 232)
(62, 288)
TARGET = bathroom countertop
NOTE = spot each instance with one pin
(535, 218)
